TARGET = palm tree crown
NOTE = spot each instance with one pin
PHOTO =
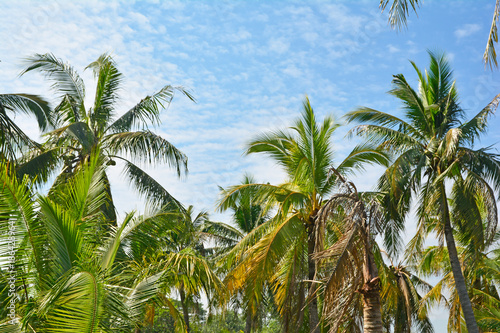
(79, 130)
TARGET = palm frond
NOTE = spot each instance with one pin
(147, 111)
(362, 155)
(490, 55)
(66, 79)
(30, 105)
(38, 165)
(108, 84)
(148, 147)
(477, 125)
(399, 11)
(147, 186)
(73, 304)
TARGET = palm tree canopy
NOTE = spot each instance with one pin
(127, 137)
(433, 140)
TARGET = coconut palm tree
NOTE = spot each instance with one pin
(353, 268)
(127, 138)
(402, 294)
(182, 253)
(480, 271)
(434, 148)
(278, 252)
(69, 274)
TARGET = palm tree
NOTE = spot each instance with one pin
(247, 214)
(434, 151)
(278, 252)
(355, 219)
(69, 274)
(181, 252)
(480, 271)
(402, 296)
(127, 138)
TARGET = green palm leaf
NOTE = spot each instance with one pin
(148, 147)
(66, 79)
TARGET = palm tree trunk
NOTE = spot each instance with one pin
(184, 308)
(313, 304)
(248, 324)
(458, 276)
(372, 315)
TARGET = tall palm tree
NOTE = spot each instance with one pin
(79, 130)
(278, 252)
(434, 148)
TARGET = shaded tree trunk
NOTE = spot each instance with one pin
(313, 304)
(248, 324)
(458, 276)
(372, 317)
(372, 314)
(184, 308)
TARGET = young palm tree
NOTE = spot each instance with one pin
(69, 274)
(279, 251)
(434, 151)
(247, 214)
(79, 130)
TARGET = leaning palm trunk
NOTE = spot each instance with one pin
(458, 276)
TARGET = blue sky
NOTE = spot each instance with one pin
(249, 64)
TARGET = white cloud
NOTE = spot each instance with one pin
(278, 45)
(467, 30)
(393, 49)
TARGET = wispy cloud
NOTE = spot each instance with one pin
(467, 30)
